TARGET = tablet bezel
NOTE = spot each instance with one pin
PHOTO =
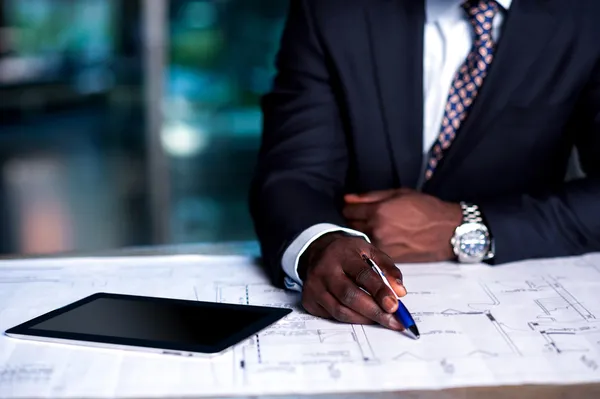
(26, 331)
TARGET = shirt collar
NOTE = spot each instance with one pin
(505, 4)
(435, 9)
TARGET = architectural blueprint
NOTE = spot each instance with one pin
(528, 322)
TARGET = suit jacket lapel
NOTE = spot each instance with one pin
(529, 26)
(396, 35)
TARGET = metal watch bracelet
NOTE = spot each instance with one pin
(472, 214)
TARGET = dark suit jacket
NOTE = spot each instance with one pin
(345, 115)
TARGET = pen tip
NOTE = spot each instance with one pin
(414, 332)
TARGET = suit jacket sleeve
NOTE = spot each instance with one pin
(303, 158)
(564, 221)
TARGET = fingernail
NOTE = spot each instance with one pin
(401, 289)
(389, 303)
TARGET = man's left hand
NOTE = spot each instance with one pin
(407, 225)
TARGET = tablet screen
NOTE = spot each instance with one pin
(155, 322)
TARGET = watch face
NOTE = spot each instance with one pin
(474, 243)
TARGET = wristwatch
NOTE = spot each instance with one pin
(471, 241)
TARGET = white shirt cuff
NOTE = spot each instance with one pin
(294, 251)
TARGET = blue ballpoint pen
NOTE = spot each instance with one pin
(402, 313)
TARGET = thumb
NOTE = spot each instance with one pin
(391, 272)
(373, 196)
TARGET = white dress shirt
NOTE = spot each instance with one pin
(447, 42)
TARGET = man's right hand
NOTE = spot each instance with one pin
(333, 272)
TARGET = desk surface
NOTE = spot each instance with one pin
(251, 249)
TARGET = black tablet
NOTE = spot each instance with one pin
(169, 326)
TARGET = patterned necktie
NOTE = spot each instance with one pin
(468, 79)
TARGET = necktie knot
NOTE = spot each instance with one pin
(481, 14)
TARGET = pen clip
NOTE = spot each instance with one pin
(378, 270)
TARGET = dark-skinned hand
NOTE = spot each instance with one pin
(334, 272)
(407, 225)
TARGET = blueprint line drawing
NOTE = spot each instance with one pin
(26, 373)
(569, 299)
(324, 342)
(546, 298)
(533, 322)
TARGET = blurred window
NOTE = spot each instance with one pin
(221, 60)
(72, 134)
(78, 143)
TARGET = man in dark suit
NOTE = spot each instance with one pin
(418, 131)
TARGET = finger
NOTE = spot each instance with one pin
(356, 300)
(315, 309)
(375, 196)
(391, 272)
(325, 314)
(319, 311)
(340, 312)
(358, 211)
(360, 225)
(367, 278)
(413, 257)
(405, 254)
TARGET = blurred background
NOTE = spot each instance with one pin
(130, 122)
